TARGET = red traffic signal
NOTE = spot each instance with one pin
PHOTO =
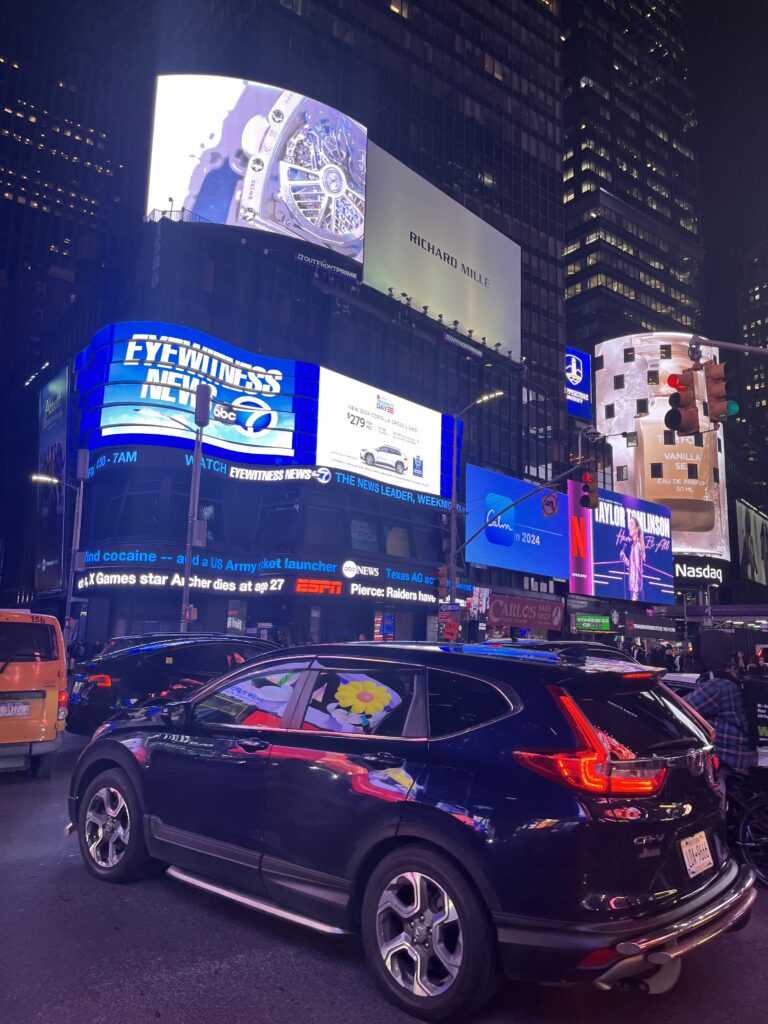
(683, 415)
(589, 496)
(718, 389)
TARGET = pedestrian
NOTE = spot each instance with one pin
(720, 699)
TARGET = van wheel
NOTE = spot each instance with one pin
(428, 935)
(109, 828)
(42, 765)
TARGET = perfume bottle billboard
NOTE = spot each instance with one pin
(651, 462)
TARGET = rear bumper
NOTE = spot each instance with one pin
(627, 948)
(18, 753)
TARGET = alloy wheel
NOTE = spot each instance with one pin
(419, 934)
(107, 827)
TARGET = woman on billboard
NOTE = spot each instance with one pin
(635, 560)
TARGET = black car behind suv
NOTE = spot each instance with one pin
(153, 668)
(467, 809)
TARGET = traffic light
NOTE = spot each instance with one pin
(589, 495)
(442, 582)
(718, 388)
(683, 415)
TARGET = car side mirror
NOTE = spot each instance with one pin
(176, 714)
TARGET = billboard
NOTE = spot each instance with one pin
(753, 543)
(51, 461)
(370, 431)
(532, 537)
(137, 381)
(578, 384)
(137, 384)
(424, 244)
(257, 156)
(622, 549)
(686, 474)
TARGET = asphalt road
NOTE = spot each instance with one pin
(79, 951)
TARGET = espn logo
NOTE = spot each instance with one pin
(311, 586)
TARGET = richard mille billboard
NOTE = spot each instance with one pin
(257, 156)
(422, 243)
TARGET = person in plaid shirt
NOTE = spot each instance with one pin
(720, 700)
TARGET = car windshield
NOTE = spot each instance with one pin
(27, 641)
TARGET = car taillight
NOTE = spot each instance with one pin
(590, 768)
(63, 700)
(100, 680)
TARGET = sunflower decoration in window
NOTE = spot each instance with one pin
(353, 702)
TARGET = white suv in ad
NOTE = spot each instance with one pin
(387, 456)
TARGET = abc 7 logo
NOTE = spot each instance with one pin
(251, 415)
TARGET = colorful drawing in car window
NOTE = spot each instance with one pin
(350, 702)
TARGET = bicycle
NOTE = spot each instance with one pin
(748, 820)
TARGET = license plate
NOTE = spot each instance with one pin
(14, 709)
(696, 854)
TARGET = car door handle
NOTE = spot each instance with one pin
(252, 744)
(383, 760)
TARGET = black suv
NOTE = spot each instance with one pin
(153, 669)
(468, 809)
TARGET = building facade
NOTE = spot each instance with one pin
(633, 248)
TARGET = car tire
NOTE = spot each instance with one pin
(110, 830)
(368, 459)
(399, 468)
(42, 765)
(455, 962)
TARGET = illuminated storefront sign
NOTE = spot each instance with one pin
(578, 384)
(696, 573)
(585, 623)
(315, 586)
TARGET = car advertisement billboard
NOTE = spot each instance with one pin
(620, 550)
(51, 462)
(753, 543)
(531, 537)
(366, 430)
(428, 247)
(578, 384)
(686, 474)
(137, 382)
(256, 156)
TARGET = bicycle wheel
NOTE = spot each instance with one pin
(752, 837)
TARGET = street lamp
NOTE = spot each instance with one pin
(487, 397)
(82, 473)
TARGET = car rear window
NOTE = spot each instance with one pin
(458, 702)
(643, 721)
(27, 641)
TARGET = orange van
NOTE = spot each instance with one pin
(33, 690)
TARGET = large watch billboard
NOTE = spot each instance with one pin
(257, 156)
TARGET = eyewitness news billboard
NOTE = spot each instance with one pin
(137, 382)
(622, 549)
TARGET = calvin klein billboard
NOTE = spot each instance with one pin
(257, 156)
(422, 243)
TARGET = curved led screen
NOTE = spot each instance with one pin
(257, 156)
(137, 380)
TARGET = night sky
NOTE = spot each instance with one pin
(728, 56)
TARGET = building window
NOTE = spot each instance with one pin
(642, 406)
(653, 376)
(631, 438)
(621, 473)
(400, 7)
(598, 362)
(693, 471)
(698, 440)
(657, 470)
(618, 382)
(716, 475)
(629, 355)
(665, 351)
(610, 411)
(669, 437)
